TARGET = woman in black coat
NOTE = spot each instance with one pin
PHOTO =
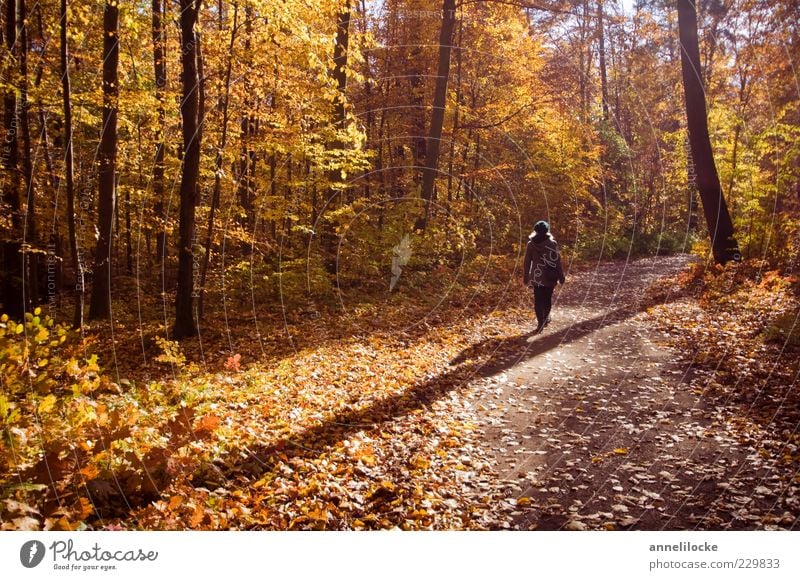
(542, 270)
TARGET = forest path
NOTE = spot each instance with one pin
(596, 424)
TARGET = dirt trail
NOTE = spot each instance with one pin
(595, 424)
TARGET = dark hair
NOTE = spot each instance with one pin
(541, 227)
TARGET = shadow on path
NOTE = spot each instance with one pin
(482, 360)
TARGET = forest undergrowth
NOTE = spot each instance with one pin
(333, 419)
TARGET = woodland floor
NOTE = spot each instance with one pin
(601, 424)
(611, 419)
(649, 403)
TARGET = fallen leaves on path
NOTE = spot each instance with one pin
(404, 417)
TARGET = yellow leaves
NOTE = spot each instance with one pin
(62, 524)
(47, 404)
(318, 514)
(621, 451)
(90, 471)
(383, 491)
(5, 407)
(84, 508)
(91, 364)
(366, 455)
(263, 482)
(317, 517)
(419, 462)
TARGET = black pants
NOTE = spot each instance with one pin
(542, 302)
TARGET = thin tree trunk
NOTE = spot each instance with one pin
(602, 54)
(247, 155)
(11, 195)
(69, 162)
(185, 324)
(744, 98)
(100, 306)
(439, 102)
(614, 65)
(339, 74)
(456, 112)
(160, 68)
(287, 196)
(367, 176)
(720, 227)
(328, 238)
(584, 62)
(30, 288)
(44, 138)
(12, 249)
(223, 108)
(734, 161)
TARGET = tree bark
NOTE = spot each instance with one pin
(100, 306)
(339, 73)
(456, 112)
(247, 156)
(439, 102)
(720, 227)
(601, 49)
(328, 238)
(185, 324)
(11, 194)
(12, 247)
(44, 138)
(25, 126)
(222, 108)
(69, 172)
(160, 69)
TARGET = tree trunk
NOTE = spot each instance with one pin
(328, 237)
(339, 74)
(247, 155)
(601, 49)
(44, 138)
(30, 287)
(100, 306)
(12, 247)
(69, 163)
(720, 227)
(25, 126)
(185, 324)
(456, 112)
(160, 67)
(439, 102)
(222, 108)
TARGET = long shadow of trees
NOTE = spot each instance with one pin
(485, 359)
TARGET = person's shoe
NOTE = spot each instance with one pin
(548, 321)
(538, 329)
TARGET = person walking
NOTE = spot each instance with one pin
(542, 270)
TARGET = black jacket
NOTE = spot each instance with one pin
(542, 261)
